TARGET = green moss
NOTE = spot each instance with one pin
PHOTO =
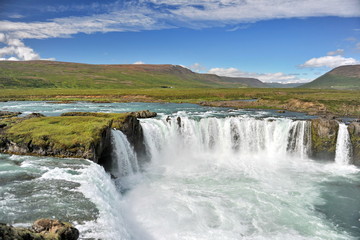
(59, 132)
(323, 138)
(67, 134)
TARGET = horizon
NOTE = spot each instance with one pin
(267, 40)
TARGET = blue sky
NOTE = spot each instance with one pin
(272, 40)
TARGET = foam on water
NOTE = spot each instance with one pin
(232, 178)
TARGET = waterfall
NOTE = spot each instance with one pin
(343, 145)
(124, 158)
(233, 135)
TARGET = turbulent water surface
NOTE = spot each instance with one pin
(211, 174)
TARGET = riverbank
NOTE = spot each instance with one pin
(341, 103)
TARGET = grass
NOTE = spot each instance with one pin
(64, 132)
(338, 102)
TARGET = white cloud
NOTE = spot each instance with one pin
(336, 52)
(329, 61)
(357, 46)
(140, 15)
(265, 77)
(16, 50)
(139, 62)
(197, 67)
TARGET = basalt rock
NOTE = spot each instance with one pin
(354, 132)
(323, 138)
(145, 114)
(42, 229)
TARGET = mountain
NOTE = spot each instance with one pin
(52, 74)
(344, 77)
(283, 85)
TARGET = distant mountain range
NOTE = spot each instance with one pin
(52, 74)
(344, 77)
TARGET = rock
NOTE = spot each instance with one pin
(280, 111)
(7, 114)
(34, 115)
(145, 114)
(178, 120)
(323, 138)
(2, 125)
(42, 229)
(354, 131)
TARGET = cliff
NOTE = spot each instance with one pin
(77, 135)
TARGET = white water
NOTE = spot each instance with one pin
(123, 155)
(231, 178)
(223, 136)
(343, 145)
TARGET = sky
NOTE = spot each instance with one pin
(286, 41)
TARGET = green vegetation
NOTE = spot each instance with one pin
(49, 74)
(345, 77)
(73, 135)
(315, 101)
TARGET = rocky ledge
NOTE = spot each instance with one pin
(74, 134)
(42, 229)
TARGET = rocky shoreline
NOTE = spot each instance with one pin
(42, 229)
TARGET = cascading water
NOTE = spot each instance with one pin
(232, 178)
(123, 155)
(210, 177)
(343, 145)
(222, 136)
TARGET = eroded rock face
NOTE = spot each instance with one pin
(42, 229)
(323, 138)
(145, 114)
(354, 131)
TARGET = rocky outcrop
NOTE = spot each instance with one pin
(7, 114)
(42, 229)
(323, 138)
(144, 114)
(354, 131)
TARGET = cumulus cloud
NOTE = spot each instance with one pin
(197, 67)
(329, 61)
(336, 52)
(139, 62)
(265, 77)
(16, 50)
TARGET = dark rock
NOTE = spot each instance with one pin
(354, 131)
(2, 125)
(280, 111)
(323, 138)
(34, 115)
(168, 119)
(145, 114)
(7, 114)
(42, 229)
(178, 120)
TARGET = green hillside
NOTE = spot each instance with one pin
(50, 74)
(344, 77)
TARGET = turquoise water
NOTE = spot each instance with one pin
(224, 174)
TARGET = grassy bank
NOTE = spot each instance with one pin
(73, 136)
(315, 101)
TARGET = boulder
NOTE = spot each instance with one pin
(323, 138)
(42, 229)
(354, 131)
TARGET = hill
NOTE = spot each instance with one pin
(344, 77)
(52, 74)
